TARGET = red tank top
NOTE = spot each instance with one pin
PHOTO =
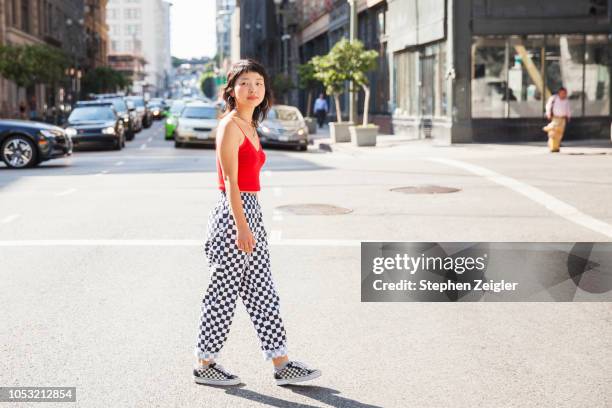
(250, 162)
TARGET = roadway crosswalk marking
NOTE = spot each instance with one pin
(275, 240)
(550, 202)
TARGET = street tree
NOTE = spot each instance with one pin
(329, 69)
(307, 81)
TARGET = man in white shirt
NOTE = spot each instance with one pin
(320, 109)
(558, 113)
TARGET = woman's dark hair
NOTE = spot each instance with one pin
(237, 69)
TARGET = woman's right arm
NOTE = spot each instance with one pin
(228, 142)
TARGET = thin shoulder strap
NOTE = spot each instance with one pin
(239, 127)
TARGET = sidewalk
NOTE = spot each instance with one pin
(323, 142)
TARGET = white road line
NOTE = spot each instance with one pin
(143, 146)
(66, 192)
(101, 173)
(172, 242)
(10, 218)
(277, 191)
(277, 215)
(119, 163)
(150, 139)
(267, 173)
(550, 202)
(275, 235)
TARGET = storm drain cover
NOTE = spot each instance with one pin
(428, 189)
(314, 209)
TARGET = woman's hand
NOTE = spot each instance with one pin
(245, 240)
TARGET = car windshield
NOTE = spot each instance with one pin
(283, 114)
(154, 105)
(177, 107)
(91, 113)
(139, 102)
(199, 112)
(120, 105)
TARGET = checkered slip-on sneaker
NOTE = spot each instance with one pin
(294, 372)
(214, 374)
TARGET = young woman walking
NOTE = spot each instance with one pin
(236, 244)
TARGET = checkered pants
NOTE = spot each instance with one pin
(235, 272)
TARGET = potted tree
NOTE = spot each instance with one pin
(307, 81)
(361, 62)
(327, 71)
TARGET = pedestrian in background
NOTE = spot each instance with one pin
(558, 113)
(320, 109)
(236, 245)
(22, 110)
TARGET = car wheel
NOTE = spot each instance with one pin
(302, 148)
(19, 152)
(123, 142)
(130, 135)
(117, 144)
(177, 144)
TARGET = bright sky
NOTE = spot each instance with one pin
(192, 28)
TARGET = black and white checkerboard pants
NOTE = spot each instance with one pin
(234, 272)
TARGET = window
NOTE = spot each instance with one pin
(111, 13)
(514, 76)
(114, 46)
(597, 75)
(488, 77)
(132, 29)
(564, 65)
(132, 13)
(525, 77)
(25, 15)
(406, 82)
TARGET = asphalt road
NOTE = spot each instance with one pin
(102, 274)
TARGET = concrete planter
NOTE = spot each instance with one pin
(364, 135)
(312, 125)
(339, 132)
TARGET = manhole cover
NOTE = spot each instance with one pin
(314, 209)
(425, 190)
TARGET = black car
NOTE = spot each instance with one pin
(96, 123)
(128, 117)
(26, 144)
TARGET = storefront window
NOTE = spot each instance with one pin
(514, 76)
(597, 76)
(564, 67)
(525, 76)
(489, 77)
(406, 98)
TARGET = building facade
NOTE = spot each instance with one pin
(225, 10)
(324, 23)
(96, 33)
(142, 29)
(482, 70)
(57, 23)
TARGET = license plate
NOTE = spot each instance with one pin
(283, 138)
(200, 135)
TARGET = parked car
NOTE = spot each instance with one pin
(129, 121)
(27, 144)
(96, 123)
(172, 117)
(284, 126)
(142, 110)
(195, 124)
